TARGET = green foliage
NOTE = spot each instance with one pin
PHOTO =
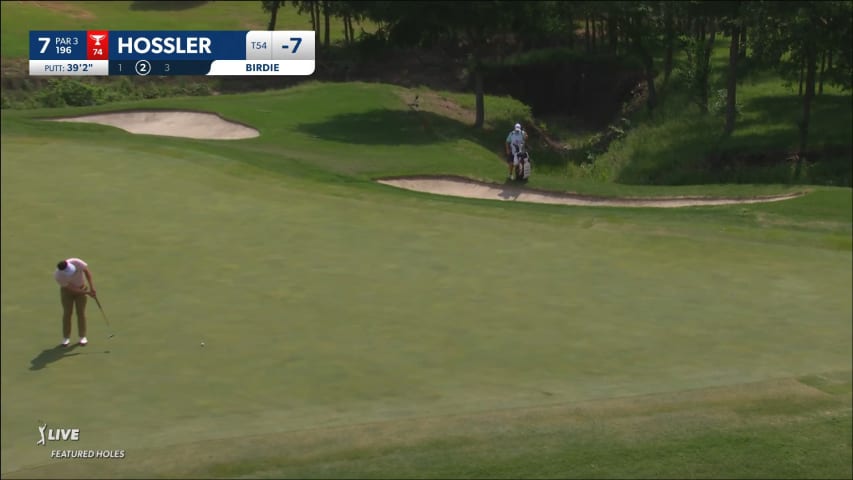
(82, 92)
(717, 104)
(696, 71)
(61, 92)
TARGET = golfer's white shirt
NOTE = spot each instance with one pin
(76, 279)
(516, 140)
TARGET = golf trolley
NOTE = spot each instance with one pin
(523, 167)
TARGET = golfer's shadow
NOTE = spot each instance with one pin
(56, 353)
(510, 190)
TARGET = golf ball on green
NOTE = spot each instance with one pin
(202, 344)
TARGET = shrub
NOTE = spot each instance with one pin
(62, 92)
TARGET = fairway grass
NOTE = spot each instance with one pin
(779, 428)
(352, 329)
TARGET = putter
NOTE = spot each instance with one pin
(105, 317)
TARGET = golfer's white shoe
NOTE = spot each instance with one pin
(65, 342)
(83, 341)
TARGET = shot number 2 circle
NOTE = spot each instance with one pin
(142, 67)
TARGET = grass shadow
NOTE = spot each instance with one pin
(772, 121)
(387, 127)
(159, 5)
(55, 354)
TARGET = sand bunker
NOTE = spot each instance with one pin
(171, 124)
(463, 187)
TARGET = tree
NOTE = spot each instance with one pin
(811, 60)
(731, 86)
(734, 22)
(476, 25)
(642, 28)
(669, 39)
(699, 46)
(272, 7)
(347, 11)
(790, 37)
(326, 15)
(315, 6)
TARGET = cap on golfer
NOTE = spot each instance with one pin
(517, 127)
(66, 268)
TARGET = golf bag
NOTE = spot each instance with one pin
(523, 167)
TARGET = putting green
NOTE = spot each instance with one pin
(327, 304)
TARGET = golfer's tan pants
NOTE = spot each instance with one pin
(78, 302)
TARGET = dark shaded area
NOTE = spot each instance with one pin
(51, 355)
(162, 5)
(593, 91)
(57, 353)
(827, 166)
(827, 112)
(386, 127)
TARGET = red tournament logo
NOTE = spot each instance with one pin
(97, 45)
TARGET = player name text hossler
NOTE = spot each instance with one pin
(168, 45)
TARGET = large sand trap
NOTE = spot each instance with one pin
(171, 124)
(464, 187)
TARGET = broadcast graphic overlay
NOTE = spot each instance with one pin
(164, 53)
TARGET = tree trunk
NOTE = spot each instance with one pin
(822, 70)
(594, 35)
(802, 69)
(351, 30)
(648, 64)
(811, 66)
(670, 43)
(571, 39)
(706, 66)
(478, 92)
(273, 15)
(317, 17)
(688, 24)
(586, 35)
(313, 18)
(732, 81)
(611, 31)
(602, 33)
(326, 16)
(346, 30)
(652, 101)
(742, 53)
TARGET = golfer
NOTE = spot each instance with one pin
(70, 275)
(514, 142)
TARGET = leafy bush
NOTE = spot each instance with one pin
(61, 92)
(197, 89)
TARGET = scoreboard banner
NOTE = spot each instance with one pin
(172, 52)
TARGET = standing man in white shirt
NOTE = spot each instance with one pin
(70, 275)
(514, 144)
